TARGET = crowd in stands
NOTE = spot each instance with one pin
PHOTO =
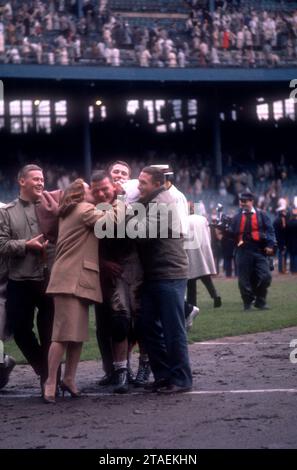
(194, 177)
(148, 34)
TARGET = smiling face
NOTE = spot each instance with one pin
(120, 172)
(103, 191)
(31, 185)
(146, 184)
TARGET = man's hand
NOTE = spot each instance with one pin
(118, 187)
(37, 243)
(269, 251)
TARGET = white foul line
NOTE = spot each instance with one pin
(264, 390)
(216, 343)
(193, 392)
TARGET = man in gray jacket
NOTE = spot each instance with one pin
(25, 249)
(7, 363)
(165, 266)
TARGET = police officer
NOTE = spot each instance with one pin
(255, 241)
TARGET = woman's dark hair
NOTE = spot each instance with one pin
(73, 195)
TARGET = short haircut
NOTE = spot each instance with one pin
(120, 162)
(156, 174)
(26, 169)
(100, 175)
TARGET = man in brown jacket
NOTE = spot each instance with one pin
(121, 278)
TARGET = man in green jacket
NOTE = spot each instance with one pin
(26, 249)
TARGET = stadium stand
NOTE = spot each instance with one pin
(157, 33)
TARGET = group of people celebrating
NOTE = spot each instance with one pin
(56, 262)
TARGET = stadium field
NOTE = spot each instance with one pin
(229, 320)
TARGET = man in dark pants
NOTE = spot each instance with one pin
(165, 266)
(255, 240)
(27, 252)
(280, 226)
(121, 280)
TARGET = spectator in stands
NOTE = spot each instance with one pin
(181, 58)
(258, 37)
(145, 58)
(2, 39)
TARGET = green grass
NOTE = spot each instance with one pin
(229, 320)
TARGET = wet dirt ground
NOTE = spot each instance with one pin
(244, 396)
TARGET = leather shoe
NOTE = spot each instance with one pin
(5, 370)
(121, 381)
(262, 307)
(48, 399)
(217, 302)
(107, 379)
(247, 307)
(154, 386)
(173, 388)
(65, 388)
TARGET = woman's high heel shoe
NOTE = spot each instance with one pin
(48, 399)
(65, 388)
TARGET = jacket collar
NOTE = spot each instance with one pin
(27, 203)
(152, 195)
(252, 211)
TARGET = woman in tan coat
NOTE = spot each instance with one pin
(74, 283)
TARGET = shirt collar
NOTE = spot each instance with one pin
(27, 203)
(252, 211)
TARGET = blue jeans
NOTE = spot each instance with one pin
(164, 334)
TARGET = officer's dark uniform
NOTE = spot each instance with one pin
(253, 232)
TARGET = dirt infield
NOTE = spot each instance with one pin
(244, 396)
